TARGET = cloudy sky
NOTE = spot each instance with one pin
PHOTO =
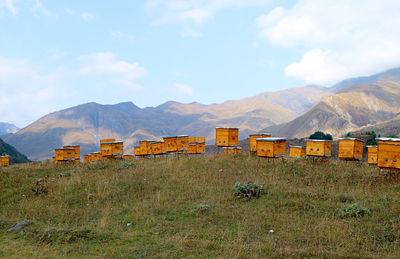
(56, 54)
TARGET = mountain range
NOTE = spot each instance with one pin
(347, 106)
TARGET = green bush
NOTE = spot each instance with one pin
(354, 210)
(321, 135)
(248, 190)
(126, 165)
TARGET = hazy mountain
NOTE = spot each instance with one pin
(15, 156)
(349, 109)
(386, 128)
(7, 128)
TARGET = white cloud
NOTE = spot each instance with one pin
(194, 11)
(39, 9)
(86, 16)
(341, 38)
(183, 89)
(9, 5)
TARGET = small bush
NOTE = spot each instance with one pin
(248, 190)
(202, 208)
(354, 210)
(126, 165)
(40, 187)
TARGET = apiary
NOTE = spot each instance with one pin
(297, 151)
(372, 155)
(170, 144)
(145, 147)
(182, 142)
(226, 137)
(389, 153)
(112, 148)
(351, 148)
(157, 148)
(232, 150)
(318, 147)
(253, 137)
(271, 147)
(4, 160)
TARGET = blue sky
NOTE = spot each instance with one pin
(57, 54)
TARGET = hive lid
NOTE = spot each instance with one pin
(157, 142)
(65, 149)
(114, 142)
(232, 148)
(256, 134)
(297, 146)
(350, 139)
(389, 139)
(95, 153)
(170, 137)
(270, 139)
(182, 136)
(225, 128)
(197, 142)
(372, 146)
(319, 140)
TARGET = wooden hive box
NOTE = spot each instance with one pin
(297, 151)
(86, 158)
(112, 148)
(271, 147)
(232, 150)
(196, 147)
(157, 148)
(182, 142)
(351, 148)
(226, 137)
(389, 153)
(253, 137)
(136, 151)
(95, 156)
(170, 144)
(108, 140)
(128, 157)
(4, 160)
(318, 147)
(77, 149)
(64, 154)
(145, 147)
(372, 155)
(197, 139)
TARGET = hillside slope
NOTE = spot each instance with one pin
(7, 128)
(15, 156)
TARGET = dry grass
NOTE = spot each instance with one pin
(185, 207)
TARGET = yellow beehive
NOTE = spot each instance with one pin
(271, 147)
(170, 144)
(77, 149)
(107, 140)
(372, 155)
(226, 137)
(86, 158)
(253, 137)
(297, 151)
(318, 147)
(351, 148)
(112, 148)
(145, 147)
(137, 151)
(196, 147)
(54, 160)
(389, 153)
(95, 156)
(157, 148)
(182, 142)
(128, 157)
(64, 154)
(4, 160)
(197, 139)
(232, 150)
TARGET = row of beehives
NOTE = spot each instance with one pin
(4, 160)
(385, 155)
(175, 144)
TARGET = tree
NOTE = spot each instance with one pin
(321, 135)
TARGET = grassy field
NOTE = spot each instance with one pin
(185, 207)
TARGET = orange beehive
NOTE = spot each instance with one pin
(86, 158)
(351, 148)
(95, 156)
(77, 149)
(226, 137)
(253, 137)
(128, 157)
(389, 153)
(182, 142)
(112, 148)
(318, 147)
(297, 151)
(137, 151)
(197, 139)
(54, 160)
(145, 147)
(4, 160)
(157, 148)
(271, 147)
(232, 150)
(170, 144)
(107, 140)
(196, 147)
(372, 155)
(64, 154)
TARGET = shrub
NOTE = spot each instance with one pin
(40, 187)
(248, 190)
(354, 210)
(321, 135)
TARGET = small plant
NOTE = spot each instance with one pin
(248, 190)
(354, 210)
(126, 165)
(202, 208)
(39, 187)
(66, 174)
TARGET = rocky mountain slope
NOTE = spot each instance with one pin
(7, 128)
(15, 155)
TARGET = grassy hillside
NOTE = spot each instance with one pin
(15, 156)
(185, 207)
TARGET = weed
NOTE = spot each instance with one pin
(200, 209)
(248, 190)
(40, 187)
(126, 165)
(354, 210)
